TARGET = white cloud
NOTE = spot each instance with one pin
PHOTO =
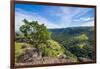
(84, 19)
(89, 23)
(88, 18)
(66, 16)
(19, 16)
(76, 20)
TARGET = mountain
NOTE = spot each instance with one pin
(78, 40)
(67, 33)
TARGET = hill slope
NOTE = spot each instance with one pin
(78, 40)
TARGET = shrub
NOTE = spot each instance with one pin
(51, 48)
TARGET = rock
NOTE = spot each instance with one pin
(33, 56)
(45, 60)
(83, 59)
(30, 54)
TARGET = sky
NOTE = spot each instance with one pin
(54, 16)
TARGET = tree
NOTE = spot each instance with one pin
(34, 32)
(25, 28)
(78, 45)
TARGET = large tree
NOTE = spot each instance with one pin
(34, 32)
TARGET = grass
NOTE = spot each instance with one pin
(18, 49)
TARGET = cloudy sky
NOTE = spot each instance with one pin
(54, 16)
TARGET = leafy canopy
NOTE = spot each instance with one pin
(34, 32)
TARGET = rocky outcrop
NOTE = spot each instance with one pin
(34, 56)
(45, 60)
(29, 55)
(82, 59)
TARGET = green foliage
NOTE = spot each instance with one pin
(52, 48)
(19, 50)
(77, 45)
(34, 32)
(79, 40)
(72, 42)
(71, 56)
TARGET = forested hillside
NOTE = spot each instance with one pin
(78, 40)
(35, 44)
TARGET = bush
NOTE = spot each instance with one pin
(51, 49)
(71, 56)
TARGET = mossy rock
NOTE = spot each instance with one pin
(19, 49)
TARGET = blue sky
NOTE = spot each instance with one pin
(54, 16)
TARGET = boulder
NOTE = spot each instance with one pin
(83, 59)
(29, 54)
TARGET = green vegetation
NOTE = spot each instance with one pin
(69, 43)
(78, 40)
(52, 48)
(19, 49)
(34, 33)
